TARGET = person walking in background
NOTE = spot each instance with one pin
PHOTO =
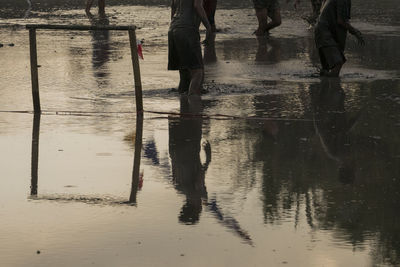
(210, 6)
(101, 6)
(265, 9)
(184, 48)
(330, 35)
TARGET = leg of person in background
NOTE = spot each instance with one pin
(335, 71)
(88, 5)
(332, 60)
(102, 7)
(196, 82)
(210, 6)
(262, 16)
(276, 20)
(316, 7)
(273, 12)
(184, 81)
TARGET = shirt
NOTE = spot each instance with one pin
(327, 31)
(185, 15)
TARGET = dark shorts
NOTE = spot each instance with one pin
(270, 5)
(331, 56)
(184, 49)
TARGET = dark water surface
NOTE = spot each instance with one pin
(281, 169)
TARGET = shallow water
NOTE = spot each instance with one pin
(286, 168)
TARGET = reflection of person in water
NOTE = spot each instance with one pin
(210, 6)
(333, 125)
(209, 51)
(266, 54)
(101, 45)
(187, 170)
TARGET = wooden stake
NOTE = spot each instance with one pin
(136, 71)
(34, 71)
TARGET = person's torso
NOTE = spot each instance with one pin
(331, 10)
(185, 15)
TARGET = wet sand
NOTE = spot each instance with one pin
(300, 172)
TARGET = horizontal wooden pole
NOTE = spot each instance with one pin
(81, 27)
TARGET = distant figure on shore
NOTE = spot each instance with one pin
(28, 11)
(101, 5)
(210, 6)
(184, 48)
(265, 9)
(330, 35)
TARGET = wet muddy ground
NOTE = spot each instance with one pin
(285, 168)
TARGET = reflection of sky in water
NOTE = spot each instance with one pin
(275, 178)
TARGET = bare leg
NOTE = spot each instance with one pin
(334, 72)
(262, 15)
(196, 81)
(184, 81)
(275, 20)
(88, 5)
(212, 15)
(102, 7)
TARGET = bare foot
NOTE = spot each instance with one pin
(259, 32)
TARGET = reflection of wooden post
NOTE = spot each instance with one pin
(35, 154)
(34, 70)
(136, 160)
(136, 71)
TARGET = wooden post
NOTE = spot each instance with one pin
(34, 71)
(136, 160)
(35, 154)
(136, 71)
